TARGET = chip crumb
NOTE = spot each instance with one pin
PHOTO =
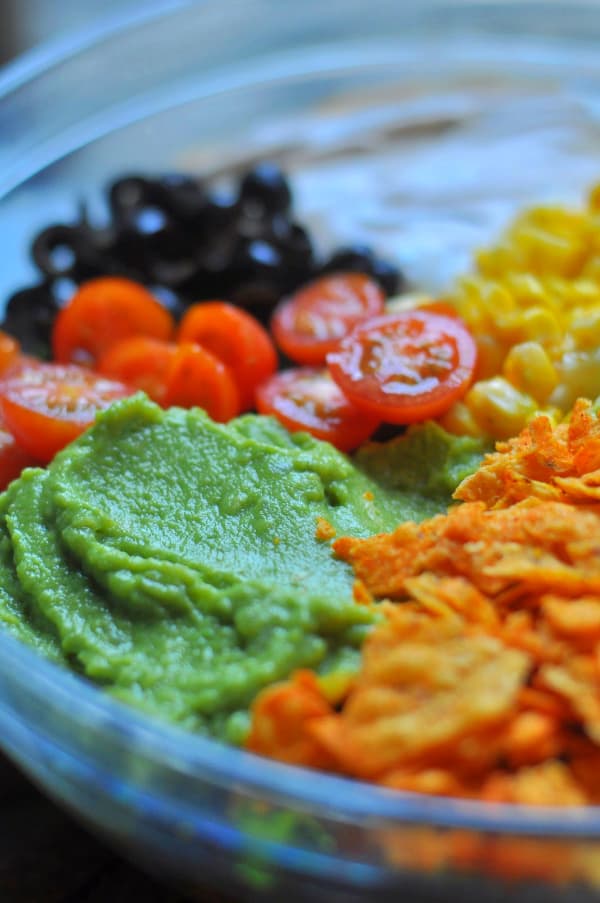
(324, 530)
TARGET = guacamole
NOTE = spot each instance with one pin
(175, 561)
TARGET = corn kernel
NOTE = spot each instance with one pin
(498, 408)
(494, 262)
(527, 289)
(550, 253)
(529, 369)
(540, 325)
(584, 327)
(585, 292)
(459, 421)
(557, 220)
(578, 377)
(591, 268)
(490, 356)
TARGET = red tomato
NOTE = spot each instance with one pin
(405, 367)
(48, 405)
(237, 339)
(311, 323)
(103, 312)
(13, 459)
(308, 399)
(9, 351)
(196, 378)
(140, 362)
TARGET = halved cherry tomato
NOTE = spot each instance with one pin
(48, 405)
(140, 362)
(405, 367)
(311, 323)
(13, 458)
(9, 351)
(103, 312)
(196, 378)
(237, 339)
(307, 399)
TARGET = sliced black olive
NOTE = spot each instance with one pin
(29, 317)
(183, 197)
(355, 258)
(266, 189)
(55, 251)
(128, 193)
(362, 259)
(390, 278)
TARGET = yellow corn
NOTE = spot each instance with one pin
(578, 376)
(528, 368)
(498, 408)
(460, 421)
(533, 305)
(584, 327)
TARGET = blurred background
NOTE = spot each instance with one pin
(26, 23)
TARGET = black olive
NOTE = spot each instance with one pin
(257, 259)
(147, 237)
(62, 290)
(55, 251)
(183, 197)
(29, 317)
(390, 278)
(356, 259)
(259, 298)
(173, 274)
(128, 193)
(220, 212)
(362, 259)
(265, 189)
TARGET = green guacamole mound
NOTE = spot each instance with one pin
(174, 561)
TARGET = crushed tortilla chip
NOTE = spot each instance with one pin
(560, 463)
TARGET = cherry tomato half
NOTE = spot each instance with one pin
(140, 362)
(405, 367)
(196, 378)
(101, 313)
(48, 405)
(311, 323)
(9, 351)
(307, 399)
(237, 339)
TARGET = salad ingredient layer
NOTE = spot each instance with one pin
(187, 241)
(533, 305)
(184, 565)
(482, 678)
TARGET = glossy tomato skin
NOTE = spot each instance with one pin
(196, 378)
(306, 398)
(312, 322)
(140, 362)
(237, 339)
(405, 367)
(101, 313)
(46, 406)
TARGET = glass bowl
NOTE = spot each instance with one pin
(419, 127)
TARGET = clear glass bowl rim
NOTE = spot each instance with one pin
(170, 748)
